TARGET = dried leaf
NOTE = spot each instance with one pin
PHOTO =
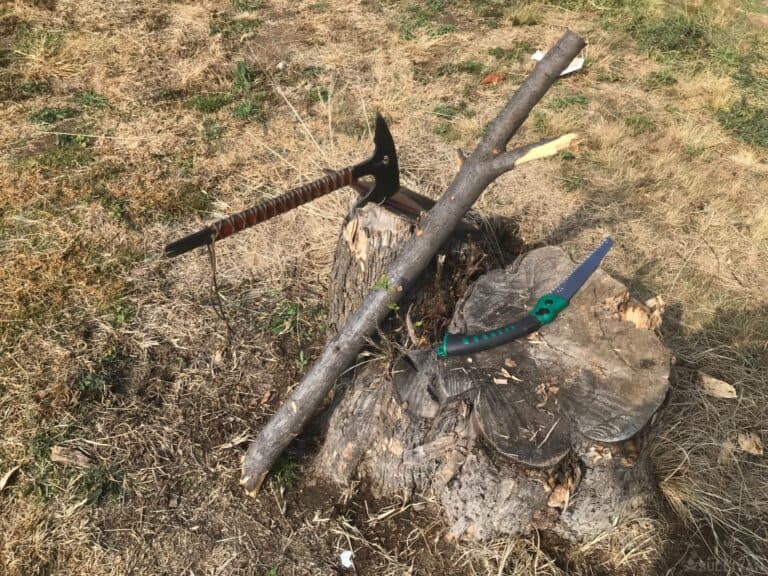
(509, 363)
(716, 388)
(751, 443)
(7, 476)
(266, 397)
(492, 79)
(70, 457)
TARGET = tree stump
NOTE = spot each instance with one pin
(548, 432)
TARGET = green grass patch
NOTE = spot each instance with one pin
(694, 151)
(753, 84)
(319, 94)
(285, 318)
(192, 198)
(24, 90)
(29, 38)
(285, 471)
(746, 122)
(512, 54)
(467, 67)
(251, 108)
(209, 103)
(427, 18)
(116, 207)
(312, 71)
(53, 115)
(60, 157)
(639, 124)
(247, 5)
(212, 130)
(109, 372)
(231, 28)
(523, 14)
(244, 81)
(659, 79)
(169, 95)
(122, 312)
(674, 36)
(568, 100)
(447, 111)
(98, 485)
(541, 123)
(45, 484)
(91, 387)
(574, 182)
(89, 99)
(243, 76)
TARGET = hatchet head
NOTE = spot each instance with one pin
(382, 166)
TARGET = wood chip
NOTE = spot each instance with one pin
(558, 498)
(726, 455)
(70, 457)
(716, 388)
(411, 328)
(750, 443)
(640, 315)
(7, 477)
(509, 363)
(500, 381)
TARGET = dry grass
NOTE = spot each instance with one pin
(107, 347)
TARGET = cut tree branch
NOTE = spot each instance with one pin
(475, 174)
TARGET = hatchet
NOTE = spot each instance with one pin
(382, 165)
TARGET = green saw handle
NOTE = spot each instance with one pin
(545, 311)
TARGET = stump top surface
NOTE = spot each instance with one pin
(587, 373)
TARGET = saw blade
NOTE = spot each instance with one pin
(576, 279)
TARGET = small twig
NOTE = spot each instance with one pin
(301, 121)
(540, 444)
(220, 308)
(96, 136)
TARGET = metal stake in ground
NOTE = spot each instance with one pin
(382, 166)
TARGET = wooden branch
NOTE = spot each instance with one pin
(476, 172)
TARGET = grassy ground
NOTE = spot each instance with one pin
(124, 125)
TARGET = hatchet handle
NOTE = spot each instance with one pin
(263, 211)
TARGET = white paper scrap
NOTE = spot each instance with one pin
(346, 559)
(575, 65)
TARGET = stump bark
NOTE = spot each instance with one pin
(548, 432)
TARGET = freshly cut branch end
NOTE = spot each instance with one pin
(548, 149)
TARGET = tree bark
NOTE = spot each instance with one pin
(487, 162)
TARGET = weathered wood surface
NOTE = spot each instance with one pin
(529, 435)
(589, 371)
(372, 231)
